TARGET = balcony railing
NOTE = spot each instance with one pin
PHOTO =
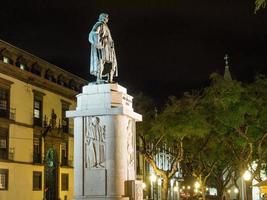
(64, 162)
(37, 122)
(4, 154)
(8, 114)
(65, 129)
(37, 158)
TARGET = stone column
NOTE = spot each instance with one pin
(104, 144)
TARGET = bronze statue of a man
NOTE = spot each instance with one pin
(102, 50)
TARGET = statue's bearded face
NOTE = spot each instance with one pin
(103, 18)
(106, 19)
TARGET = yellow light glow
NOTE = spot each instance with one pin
(143, 186)
(188, 187)
(229, 191)
(236, 190)
(197, 185)
(159, 182)
(175, 189)
(153, 178)
(247, 175)
(183, 187)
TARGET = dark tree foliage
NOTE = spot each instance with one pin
(164, 132)
(208, 133)
(259, 4)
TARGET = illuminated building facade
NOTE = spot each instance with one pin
(36, 139)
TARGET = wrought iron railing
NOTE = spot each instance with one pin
(64, 161)
(65, 129)
(3, 154)
(37, 122)
(37, 158)
(8, 113)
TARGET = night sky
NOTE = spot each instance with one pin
(163, 47)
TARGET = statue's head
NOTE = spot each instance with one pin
(97, 120)
(103, 17)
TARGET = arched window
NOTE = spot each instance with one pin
(61, 80)
(49, 75)
(6, 56)
(22, 63)
(72, 84)
(36, 69)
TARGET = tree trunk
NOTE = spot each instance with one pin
(220, 192)
(203, 191)
(164, 192)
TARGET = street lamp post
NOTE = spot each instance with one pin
(246, 177)
(159, 188)
(176, 192)
(153, 179)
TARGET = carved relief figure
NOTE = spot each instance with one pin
(102, 50)
(100, 131)
(130, 142)
(94, 142)
(90, 143)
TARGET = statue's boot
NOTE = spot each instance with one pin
(111, 76)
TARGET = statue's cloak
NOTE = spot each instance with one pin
(102, 48)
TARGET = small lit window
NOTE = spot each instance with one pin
(37, 108)
(3, 179)
(6, 60)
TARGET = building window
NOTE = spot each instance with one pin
(37, 111)
(6, 60)
(36, 69)
(64, 182)
(22, 66)
(4, 102)
(65, 120)
(37, 181)
(64, 154)
(3, 143)
(37, 150)
(3, 179)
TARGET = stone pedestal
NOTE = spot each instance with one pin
(104, 144)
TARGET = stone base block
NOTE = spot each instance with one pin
(95, 182)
